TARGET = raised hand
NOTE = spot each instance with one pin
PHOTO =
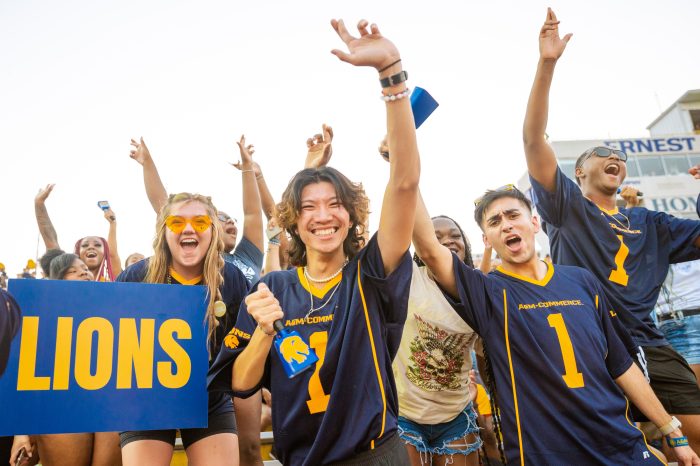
(264, 308)
(109, 215)
(695, 171)
(370, 49)
(43, 194)
(246, 162)
(319, 148)
(551, 45)
(631, 196)
(140, 152)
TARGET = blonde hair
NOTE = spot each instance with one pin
(159, 264)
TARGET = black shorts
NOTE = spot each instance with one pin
(672, 380)
(390, 453)
(223, 423)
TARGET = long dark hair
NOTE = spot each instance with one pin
(350, 194)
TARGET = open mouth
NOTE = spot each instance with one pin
(324, 232)
(612, 169)
(90, 255)
(189, 244)
(513, 241)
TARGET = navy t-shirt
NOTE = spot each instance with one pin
(628, 250)
(10, 318)
(555, 348)
(347, 403)
(233, 292)
(247, 258)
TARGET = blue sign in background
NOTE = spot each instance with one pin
(109, 408)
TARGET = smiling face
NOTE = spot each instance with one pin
(602, 174)
(78, 271)
(323, 221)
(510, 228)
(448, 234)
(230, 230)
(189, 247)
(91, 252)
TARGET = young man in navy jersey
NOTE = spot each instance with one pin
(628, 250)
(558, 355)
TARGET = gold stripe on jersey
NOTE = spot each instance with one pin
(512, 377)
(374, 353)
(318, 292)
(543, 282)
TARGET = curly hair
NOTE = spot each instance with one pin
(351, 195)
(159, 264)
(467, 245)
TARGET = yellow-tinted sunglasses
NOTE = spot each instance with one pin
(177, 224)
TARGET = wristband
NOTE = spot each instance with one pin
(672, 425)
(275, 240)
(392, 97)
(677, 442)
(389, 66)
(398, 78)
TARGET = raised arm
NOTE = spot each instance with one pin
(252, 215)
(272, 257)
(43, 221)
(399, 204)
(112, 242)
(485, 265)
(435, 256)
(157, 195)
(320, 148)
(541, 161)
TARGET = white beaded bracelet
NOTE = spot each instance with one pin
(392, 97)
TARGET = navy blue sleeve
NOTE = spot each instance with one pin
(220, 373)
(683, 234)
(473, 306)
(393, 290)
(134, 273)
(553, 206)
(10, 317)
(620, 344)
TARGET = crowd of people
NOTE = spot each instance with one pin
(419, 360)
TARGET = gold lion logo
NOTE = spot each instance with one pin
(231, 341)
(294, 348)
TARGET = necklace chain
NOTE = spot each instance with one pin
(612, 216)
(309, 279)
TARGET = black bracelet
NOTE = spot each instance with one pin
(398, 78)
(389, 66)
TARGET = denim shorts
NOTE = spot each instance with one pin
(684, 335)
(435, 439)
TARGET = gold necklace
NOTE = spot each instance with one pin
(313, 309)
(612, 216)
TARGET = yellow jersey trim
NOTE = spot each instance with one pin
(547, 276)
(318, 292)
(374, 353)
(512, 377)
(609, 212)
(627, 408)
(182, 280)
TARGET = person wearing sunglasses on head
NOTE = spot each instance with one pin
(559, 359)
(246, 254)
(187, 251)
(628, 250)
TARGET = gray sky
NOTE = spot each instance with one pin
(78, 79)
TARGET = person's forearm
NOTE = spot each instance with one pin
(252, 215)
(249, 367)
(46, 229)
(272, 258)
(537, 111)
(157, 195)
(638, 390)
(485, 265)
(113, 250)
(266, 199)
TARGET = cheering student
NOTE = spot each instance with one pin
(99, 254)
(188, 248)
(628, 250)
(557, 354)
(347, 302)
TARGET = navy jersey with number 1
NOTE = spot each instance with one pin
(555, 348)
(347, 403)
(628, 250)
